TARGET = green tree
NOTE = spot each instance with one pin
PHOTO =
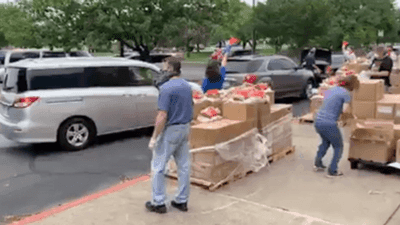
(16, 27)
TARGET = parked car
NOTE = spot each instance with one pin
(323, 59)
(11, 56)
(70, 101)
(73, 100)
(287, 79)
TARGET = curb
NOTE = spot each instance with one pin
(61, 208)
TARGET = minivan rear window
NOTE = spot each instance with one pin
(2, 58)
(243, 66)
(15, 80)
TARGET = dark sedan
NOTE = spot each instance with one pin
(287, 79)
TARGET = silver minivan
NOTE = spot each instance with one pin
(72, 100)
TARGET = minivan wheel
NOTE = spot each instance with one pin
(76, 134)
(307, 91)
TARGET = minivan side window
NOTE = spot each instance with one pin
(56, 78)
(15, 80)
(54, 54)
(107, 76)
(142, 76)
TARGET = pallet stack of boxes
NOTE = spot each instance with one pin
(271, 120)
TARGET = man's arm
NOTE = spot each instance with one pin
(161, 120)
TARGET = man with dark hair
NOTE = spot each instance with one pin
(310, 64)
(170, 138)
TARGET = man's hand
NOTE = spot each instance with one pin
(152, 143)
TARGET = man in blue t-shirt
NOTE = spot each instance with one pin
(326, 123)
(170, 138)
(215, 76)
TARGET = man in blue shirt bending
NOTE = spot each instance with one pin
(170, 138)
(215, 76)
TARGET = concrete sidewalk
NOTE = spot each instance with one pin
(287, 193)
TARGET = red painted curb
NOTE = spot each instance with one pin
(83, 200)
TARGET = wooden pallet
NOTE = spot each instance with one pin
(278, 156)
(308, 118)
(210, 185)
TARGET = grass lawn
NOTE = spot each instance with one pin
(198, 57)
(267, 51)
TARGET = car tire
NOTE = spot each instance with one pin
(76, 134)
(307, 91)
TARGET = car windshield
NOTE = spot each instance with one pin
(79, 54)
(17, 56)
(15, 80)
(337, 59)
(243, 66)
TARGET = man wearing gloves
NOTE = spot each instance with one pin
(170, 138)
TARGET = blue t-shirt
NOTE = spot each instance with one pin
(209, 85)
(176, 98)
(332, 106)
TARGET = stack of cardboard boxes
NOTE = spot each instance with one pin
(395, 82)
(265, 117)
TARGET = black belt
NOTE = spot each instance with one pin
(177, 124)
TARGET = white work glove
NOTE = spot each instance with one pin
(152, 143)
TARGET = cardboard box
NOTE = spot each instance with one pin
(357, 67)
(271, 95)
(209, 134)
(316, 103)
(198, 106)
(398, 151)
(396, 113)
(217, 103)
(385, 107)
(372, 141)
(240, 111)
(280, 110)
(394, 79)
(370, 90)
(394, 90)
(396, 129)
(263, 114)
(364, 110)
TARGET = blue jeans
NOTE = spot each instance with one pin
(330, 135)
(172, 142)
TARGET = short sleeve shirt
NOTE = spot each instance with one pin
(332, 106)
(209, 85)
(176, 99)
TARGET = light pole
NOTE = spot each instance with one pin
(254, 31)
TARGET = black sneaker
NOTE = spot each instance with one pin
(156, 208)
(319, 168)
(337, 174)
(181, 206)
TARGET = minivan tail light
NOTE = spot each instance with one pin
(25, 102)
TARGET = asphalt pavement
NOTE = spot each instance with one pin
(36, 177)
